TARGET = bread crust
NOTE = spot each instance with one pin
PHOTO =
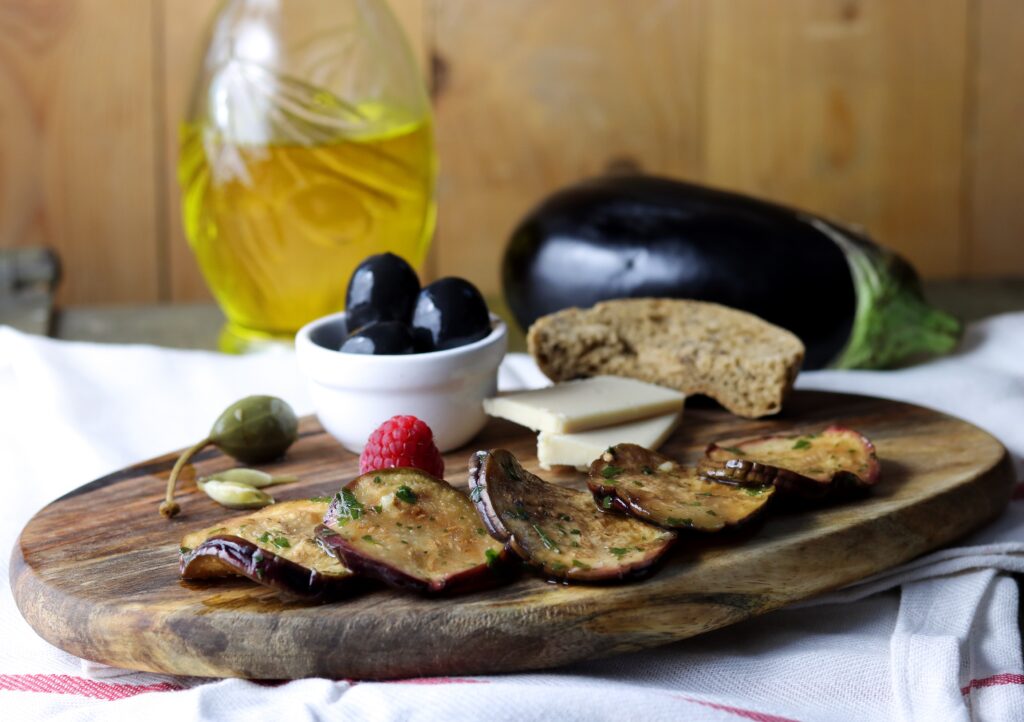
(745, 363)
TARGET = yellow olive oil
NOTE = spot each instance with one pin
(278, 228)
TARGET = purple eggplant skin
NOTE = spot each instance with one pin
(266, 568)
(482, 465)
(497, 571)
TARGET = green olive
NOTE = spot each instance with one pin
(253, 430)
(256, 429)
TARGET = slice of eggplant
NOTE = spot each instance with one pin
(657, 489)
(275, 546)
(560, 531)
(836, 462)
(411, 530)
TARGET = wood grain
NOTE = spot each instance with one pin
(849, 109)
(874, 111)
(995, 240)
(96, 571)
(532, 95)
(78, 162)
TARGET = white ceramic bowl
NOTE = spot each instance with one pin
(355, 393)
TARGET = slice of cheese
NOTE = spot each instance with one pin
(580, 449)
(587, 404)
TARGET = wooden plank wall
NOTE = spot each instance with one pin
(904, 119)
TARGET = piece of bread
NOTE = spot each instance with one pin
(746, 364)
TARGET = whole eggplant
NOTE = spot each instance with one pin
(853, 303)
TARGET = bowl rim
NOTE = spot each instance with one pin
(499, 330)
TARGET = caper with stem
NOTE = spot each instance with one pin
(253, 430)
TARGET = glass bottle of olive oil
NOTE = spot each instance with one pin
(309, 146)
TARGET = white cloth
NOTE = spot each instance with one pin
(937, 639)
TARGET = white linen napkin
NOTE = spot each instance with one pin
(937, 639)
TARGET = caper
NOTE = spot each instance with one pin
(252, 477)
(235, 494)
(253, 430)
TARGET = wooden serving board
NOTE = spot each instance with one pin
(96, 572)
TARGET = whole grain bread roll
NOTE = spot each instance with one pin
(746, 364)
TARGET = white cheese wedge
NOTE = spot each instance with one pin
(586, 404)
(579, 449)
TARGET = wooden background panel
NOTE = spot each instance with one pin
(996, 142)
(872, 111)
(533, 94)
(852, 109)
(78, 161)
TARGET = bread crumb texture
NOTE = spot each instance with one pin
(743, 362)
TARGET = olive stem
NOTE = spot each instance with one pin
(169, 507)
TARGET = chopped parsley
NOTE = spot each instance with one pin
(606, 503)
(377, 480)
(710, 512)
(547, 541)
(581, 565)
(565, 517)
(619, 552)
(574, 531)
(321, 499)
(183, 550)
(492, 557)
(378, 508)
(282, 542)
(647, 470)
(802, 444)
(673, 521)
(476, 492)
(755, 490)
(264, 537)
(406, 494)
(348, 506)
(369, 538)
(480, 531)
(611, 471)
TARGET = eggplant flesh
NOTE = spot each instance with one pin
(659, 490)
(276, 547)
(852, 303)
(410, 530)
(834, 462)
(560, 532)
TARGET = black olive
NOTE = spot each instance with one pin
(452, 312)
(382, 288)
(387, 338)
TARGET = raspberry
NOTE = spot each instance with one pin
(402, 441)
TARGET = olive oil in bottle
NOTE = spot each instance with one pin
(278, 229)
(308, 147)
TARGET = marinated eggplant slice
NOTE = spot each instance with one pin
(409, 529)
(657, 489)
(811, 466)
(557, 530)
(275, 546)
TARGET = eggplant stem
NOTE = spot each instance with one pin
(169, 507)
(894, 324)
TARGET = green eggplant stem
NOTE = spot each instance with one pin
(169, 507)
(893, 325)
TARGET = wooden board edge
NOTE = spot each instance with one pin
(985, 496)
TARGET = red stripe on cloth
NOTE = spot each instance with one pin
(994, 681)
(1018, 492)
(738, 711)
(66, 684)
